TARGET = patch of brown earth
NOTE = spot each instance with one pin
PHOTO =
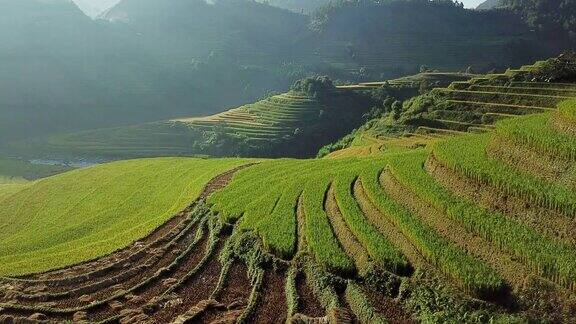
(234, 296)
(197, 288)
(221, 181)
(272, 306)
(237, 286)
(388, 308)
(156, 285)
(308, 304)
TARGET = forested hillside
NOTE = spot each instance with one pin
(156, 60)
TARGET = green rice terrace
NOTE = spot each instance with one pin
(474, 105)
(296, 123)
(466, 215)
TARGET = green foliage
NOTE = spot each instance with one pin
(433, 301)
(546, 15)
(314, 86)
(567, 109)
(361, 305)
(471, 273)
(119, 203)
(545, 255)
(272, 215)
(467, 155)
(378, 247)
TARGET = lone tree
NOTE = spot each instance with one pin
(314, 86)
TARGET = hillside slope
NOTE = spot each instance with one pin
(93, 212)
(414, 236)
(475, 228)
(296, 123)
(465, 106)
(158, 60)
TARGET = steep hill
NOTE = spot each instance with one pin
(62, 71)
(158, 60)
(401, 36)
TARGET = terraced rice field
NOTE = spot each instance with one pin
(341, 240)
(451, 226)
(475, 106)
(293, 124)
(269, 119)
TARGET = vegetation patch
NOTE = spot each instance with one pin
(95, 211)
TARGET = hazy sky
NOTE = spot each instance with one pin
(471, 3)
(95, 7)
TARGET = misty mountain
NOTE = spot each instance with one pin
(62, 71)
(93, 8)
(148, 60)
(489, 4)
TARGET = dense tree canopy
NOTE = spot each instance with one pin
(547, 15)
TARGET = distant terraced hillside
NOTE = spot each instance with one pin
(474, 105)
(296, 123)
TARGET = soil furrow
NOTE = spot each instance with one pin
(301, 225)
(308, 304)
(387, 227)
(232, 299)
(272, 307)
(513, 272)
(346, 238)
(104, 265)
(388, 307)
(131, 271)
(145, 291)
(196, 288)
(85, 295)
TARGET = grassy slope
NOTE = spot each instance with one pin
(83, 214)
(15, 175)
